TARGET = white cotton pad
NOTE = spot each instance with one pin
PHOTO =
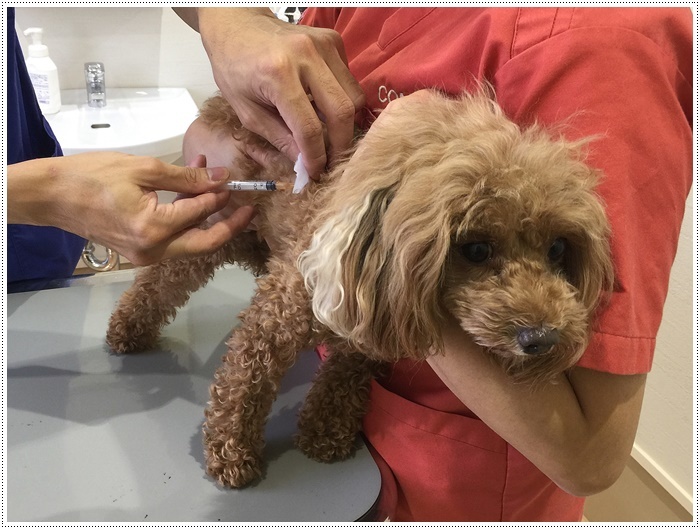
(302, 176)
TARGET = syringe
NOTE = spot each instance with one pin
(253, 185)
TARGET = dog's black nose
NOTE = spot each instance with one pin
(537, 340)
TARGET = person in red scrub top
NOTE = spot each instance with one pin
(454, 438)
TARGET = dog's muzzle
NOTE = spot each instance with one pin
(537, 340)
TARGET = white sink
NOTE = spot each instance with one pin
(142, 121)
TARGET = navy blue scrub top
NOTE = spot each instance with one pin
(33, 252)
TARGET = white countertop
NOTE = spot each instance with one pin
(95, 437)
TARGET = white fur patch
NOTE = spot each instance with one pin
(322, 268)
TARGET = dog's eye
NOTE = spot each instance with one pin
(477, 252)
(557, 250)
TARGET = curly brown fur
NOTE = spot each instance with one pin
(448, 211)
(330, 419)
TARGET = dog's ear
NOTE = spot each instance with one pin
(375, 271)
(589, 265)
(375, 265)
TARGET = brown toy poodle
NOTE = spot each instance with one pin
(448, 210)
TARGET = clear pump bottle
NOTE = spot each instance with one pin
(43, 73)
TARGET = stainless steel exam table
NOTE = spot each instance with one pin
(92, 436)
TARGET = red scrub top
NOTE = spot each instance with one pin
(624, 74)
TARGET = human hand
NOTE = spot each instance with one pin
(203, 145)
(268, 69)
(110, 198)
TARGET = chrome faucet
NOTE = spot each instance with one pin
(95, 84)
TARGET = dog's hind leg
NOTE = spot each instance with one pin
(274, 328)
(331, 416)
(153, 299)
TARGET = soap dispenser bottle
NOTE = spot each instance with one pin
(43, 73)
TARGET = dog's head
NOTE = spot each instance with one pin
(451, 210)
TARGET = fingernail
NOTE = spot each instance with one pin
(217, 174)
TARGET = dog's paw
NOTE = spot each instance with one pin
(124, 342)
(127, 335)
(236, 469)
(327, 444)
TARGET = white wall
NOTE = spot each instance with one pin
(151, 47)
(139, 46)
(665, 438)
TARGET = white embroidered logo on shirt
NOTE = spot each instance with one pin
(387, 95)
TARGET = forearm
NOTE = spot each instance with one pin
(578, 431)
(192, 16)
(36, 190)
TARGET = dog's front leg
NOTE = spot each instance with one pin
(153, 299)
(331, 416)
(274, 329)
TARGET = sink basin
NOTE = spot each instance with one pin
(142, 121)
